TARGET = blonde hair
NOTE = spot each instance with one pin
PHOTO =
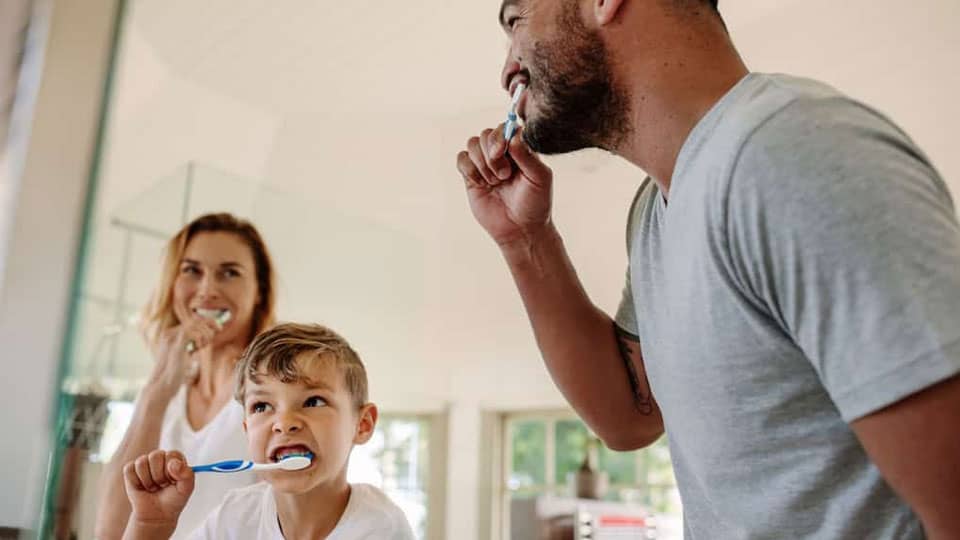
(158, 314)
(276, 351)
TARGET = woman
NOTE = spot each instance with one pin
(216, 293)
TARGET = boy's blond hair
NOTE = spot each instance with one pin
(275, 353)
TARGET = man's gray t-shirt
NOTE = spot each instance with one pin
(804, 273)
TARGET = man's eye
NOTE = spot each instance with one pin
(315, 401)
(259, 407)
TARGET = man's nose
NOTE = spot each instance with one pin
(511, 66)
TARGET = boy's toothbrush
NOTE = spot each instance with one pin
(289, 463)
(511, 126)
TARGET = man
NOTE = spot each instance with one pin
(793, 290)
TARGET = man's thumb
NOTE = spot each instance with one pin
(528, 162)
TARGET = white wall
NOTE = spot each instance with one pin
(900, 57)
(14, 21)
(14, 16)
(41, 245)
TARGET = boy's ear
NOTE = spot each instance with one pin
(366, 423)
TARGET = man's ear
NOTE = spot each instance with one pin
(366, 423)
(606, 10)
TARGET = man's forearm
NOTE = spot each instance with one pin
(579, 346)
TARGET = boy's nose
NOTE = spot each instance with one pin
(287, 424)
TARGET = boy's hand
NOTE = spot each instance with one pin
(158, 486)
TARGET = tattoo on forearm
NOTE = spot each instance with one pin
(629, 346)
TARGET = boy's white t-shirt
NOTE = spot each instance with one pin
(251, 513)
(221, 439)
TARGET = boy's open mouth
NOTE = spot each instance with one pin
(281, 452)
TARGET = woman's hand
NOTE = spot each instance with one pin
(175, 349)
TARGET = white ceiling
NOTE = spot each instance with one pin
(356, 111)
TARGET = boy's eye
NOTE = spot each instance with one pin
(259, 407)
(315, 401)
(512, 21)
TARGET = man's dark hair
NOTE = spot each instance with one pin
(711, 3)
(697, 3)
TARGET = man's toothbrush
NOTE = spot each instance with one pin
(511, 126)
(289, 463)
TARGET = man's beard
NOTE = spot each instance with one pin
(580, 105)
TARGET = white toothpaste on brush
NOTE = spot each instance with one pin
(219, 316)
(511, 126)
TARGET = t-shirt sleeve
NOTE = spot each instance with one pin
(211, 528)
(402, 531)
(626, 316)
(841, 229)
(228, 518)
(374, 516)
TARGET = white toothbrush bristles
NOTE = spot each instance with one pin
(294, 463)
(511, 126)
(517, 92)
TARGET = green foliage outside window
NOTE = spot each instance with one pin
(529, 449)
(644, 476)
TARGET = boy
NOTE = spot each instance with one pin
(303, 389)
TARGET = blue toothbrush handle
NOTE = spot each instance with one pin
(511, 126)
(233, 465)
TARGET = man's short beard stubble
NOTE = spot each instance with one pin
(580, 104)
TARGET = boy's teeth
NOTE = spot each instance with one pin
(296, 451)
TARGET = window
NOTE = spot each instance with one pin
(542, 452)
(396, 459)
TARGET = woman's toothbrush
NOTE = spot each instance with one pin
(289, 463)
(219, 316)
(511, 126)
